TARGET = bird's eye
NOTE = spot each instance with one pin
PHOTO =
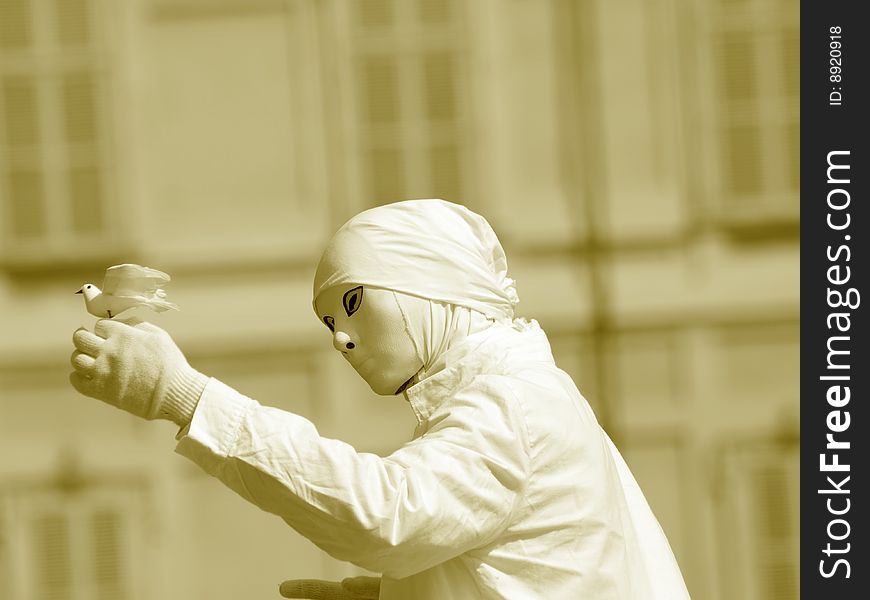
(330, 322)
(88, 286)
(352, 300)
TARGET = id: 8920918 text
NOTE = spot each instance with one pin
(835, 65)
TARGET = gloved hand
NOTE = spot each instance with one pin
(136, 366)
(351, 588)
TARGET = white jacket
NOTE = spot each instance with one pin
(509, 489)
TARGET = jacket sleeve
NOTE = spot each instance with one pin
(451, 490)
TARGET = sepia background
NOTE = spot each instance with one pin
(638, 159)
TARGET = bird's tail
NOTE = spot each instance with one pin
(161, 305)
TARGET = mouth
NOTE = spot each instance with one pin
(79, 292)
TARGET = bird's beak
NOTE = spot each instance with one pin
(79, 292)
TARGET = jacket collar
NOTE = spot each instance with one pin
(488, 351)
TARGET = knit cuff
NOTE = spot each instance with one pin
(182, 395)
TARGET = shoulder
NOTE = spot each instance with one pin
(491, 393)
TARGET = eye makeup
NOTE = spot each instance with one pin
(352, 300)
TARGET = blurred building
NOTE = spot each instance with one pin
(639, 161)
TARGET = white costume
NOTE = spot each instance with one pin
(509, 487)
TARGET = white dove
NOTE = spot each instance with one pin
(125, 287)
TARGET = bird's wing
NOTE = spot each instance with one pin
(133, 280)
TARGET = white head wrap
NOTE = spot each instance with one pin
(432, 249)
(435, 328)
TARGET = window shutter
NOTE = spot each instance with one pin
(741, 148)
(23, 174)
(439, 76)
(772, 500)
(435, 11)
(15, 24)
(72, 22)
(755, 50)
(83, 176)
(381, 93)
(440, 86)
(737, 65)
(108, 555)
(741, 139)
(374, 13)
(759, 521)
(19, 114)
(78, 93)
(790, 58)
(52, 564)
(6, 590)
(382, 146)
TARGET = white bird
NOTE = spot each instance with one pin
(125, 287)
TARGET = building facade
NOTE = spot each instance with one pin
(639, 161)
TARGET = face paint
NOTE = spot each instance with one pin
(368, 329)
(352, 300)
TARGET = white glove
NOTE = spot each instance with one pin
(136, 366)
(352, 588)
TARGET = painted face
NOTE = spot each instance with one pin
(368, 329)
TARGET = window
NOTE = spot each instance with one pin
(71, 544)
(54, 174)
(408, 64)
(755, 81)
(759, 519)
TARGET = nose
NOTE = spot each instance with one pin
(342, 342)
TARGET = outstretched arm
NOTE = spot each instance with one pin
(438, 496)
(449, 491)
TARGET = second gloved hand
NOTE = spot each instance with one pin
(351, 588)
(136, 366)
